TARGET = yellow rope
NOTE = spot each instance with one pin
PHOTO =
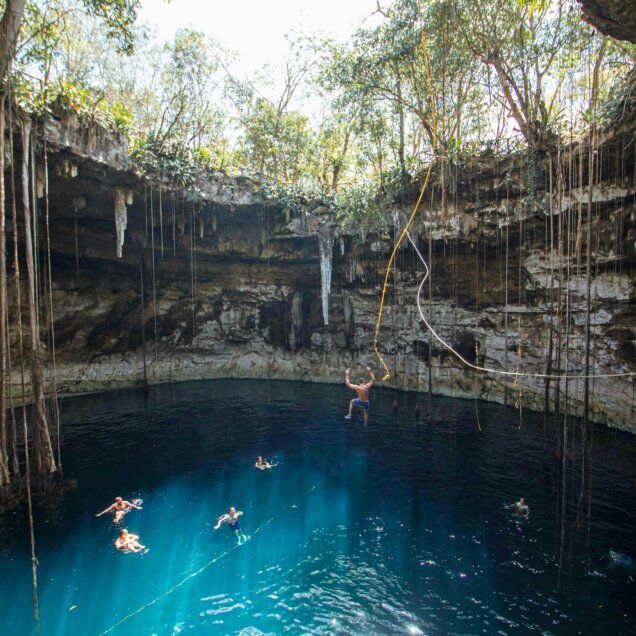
(387, 375)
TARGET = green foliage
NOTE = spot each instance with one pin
(120, 119)
(355, 206)
(157, 159)
(500, 70)
(295, 198)
(119, 17)
(92, 109)
(620, 104)
(360, 207)
(277, 145)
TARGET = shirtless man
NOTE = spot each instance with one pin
(362, 389)
(120, 508)
(520, 508)
(233, 523)
(127, 541)
(262, 464)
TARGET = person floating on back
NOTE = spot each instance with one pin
(120, 507)
(362, 389)
(520, 508)
(128, 542)
(263, 464)
(233, 523)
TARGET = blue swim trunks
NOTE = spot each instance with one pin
(234, 526)
(361, 404)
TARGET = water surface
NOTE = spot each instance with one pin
(400, 528)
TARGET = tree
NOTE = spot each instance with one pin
(117, 15)
(277, 145)
(521, 42)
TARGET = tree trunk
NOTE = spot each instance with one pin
(9, 28)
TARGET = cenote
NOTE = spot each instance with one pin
(397, 528)
(438, 195)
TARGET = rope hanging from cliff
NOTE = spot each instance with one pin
(405, 232)
(515, 374)
(387, 374)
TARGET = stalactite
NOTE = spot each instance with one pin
(121, 219)
(325, 247)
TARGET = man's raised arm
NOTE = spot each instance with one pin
(348, 382)
(372, 383)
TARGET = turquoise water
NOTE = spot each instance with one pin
(400, 528)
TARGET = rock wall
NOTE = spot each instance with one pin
(156, 283)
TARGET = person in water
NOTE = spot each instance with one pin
(520, 508)
(362, 389)
(128, 541)
(263, 464)
(233, 523)
(120, 507)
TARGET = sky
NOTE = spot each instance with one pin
(255, 29)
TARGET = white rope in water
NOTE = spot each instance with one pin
(488, 369)
(201, 569)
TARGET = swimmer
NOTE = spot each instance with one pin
(263, 464)
(120, 507)
(362, 389)
(520, 508)
(127, 541)
(233, 523)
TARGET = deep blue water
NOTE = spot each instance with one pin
(400, 528)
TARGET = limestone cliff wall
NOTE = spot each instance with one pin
(155, 281)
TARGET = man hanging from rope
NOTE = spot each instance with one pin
(362, 389)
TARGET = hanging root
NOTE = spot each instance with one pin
(387, 375)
